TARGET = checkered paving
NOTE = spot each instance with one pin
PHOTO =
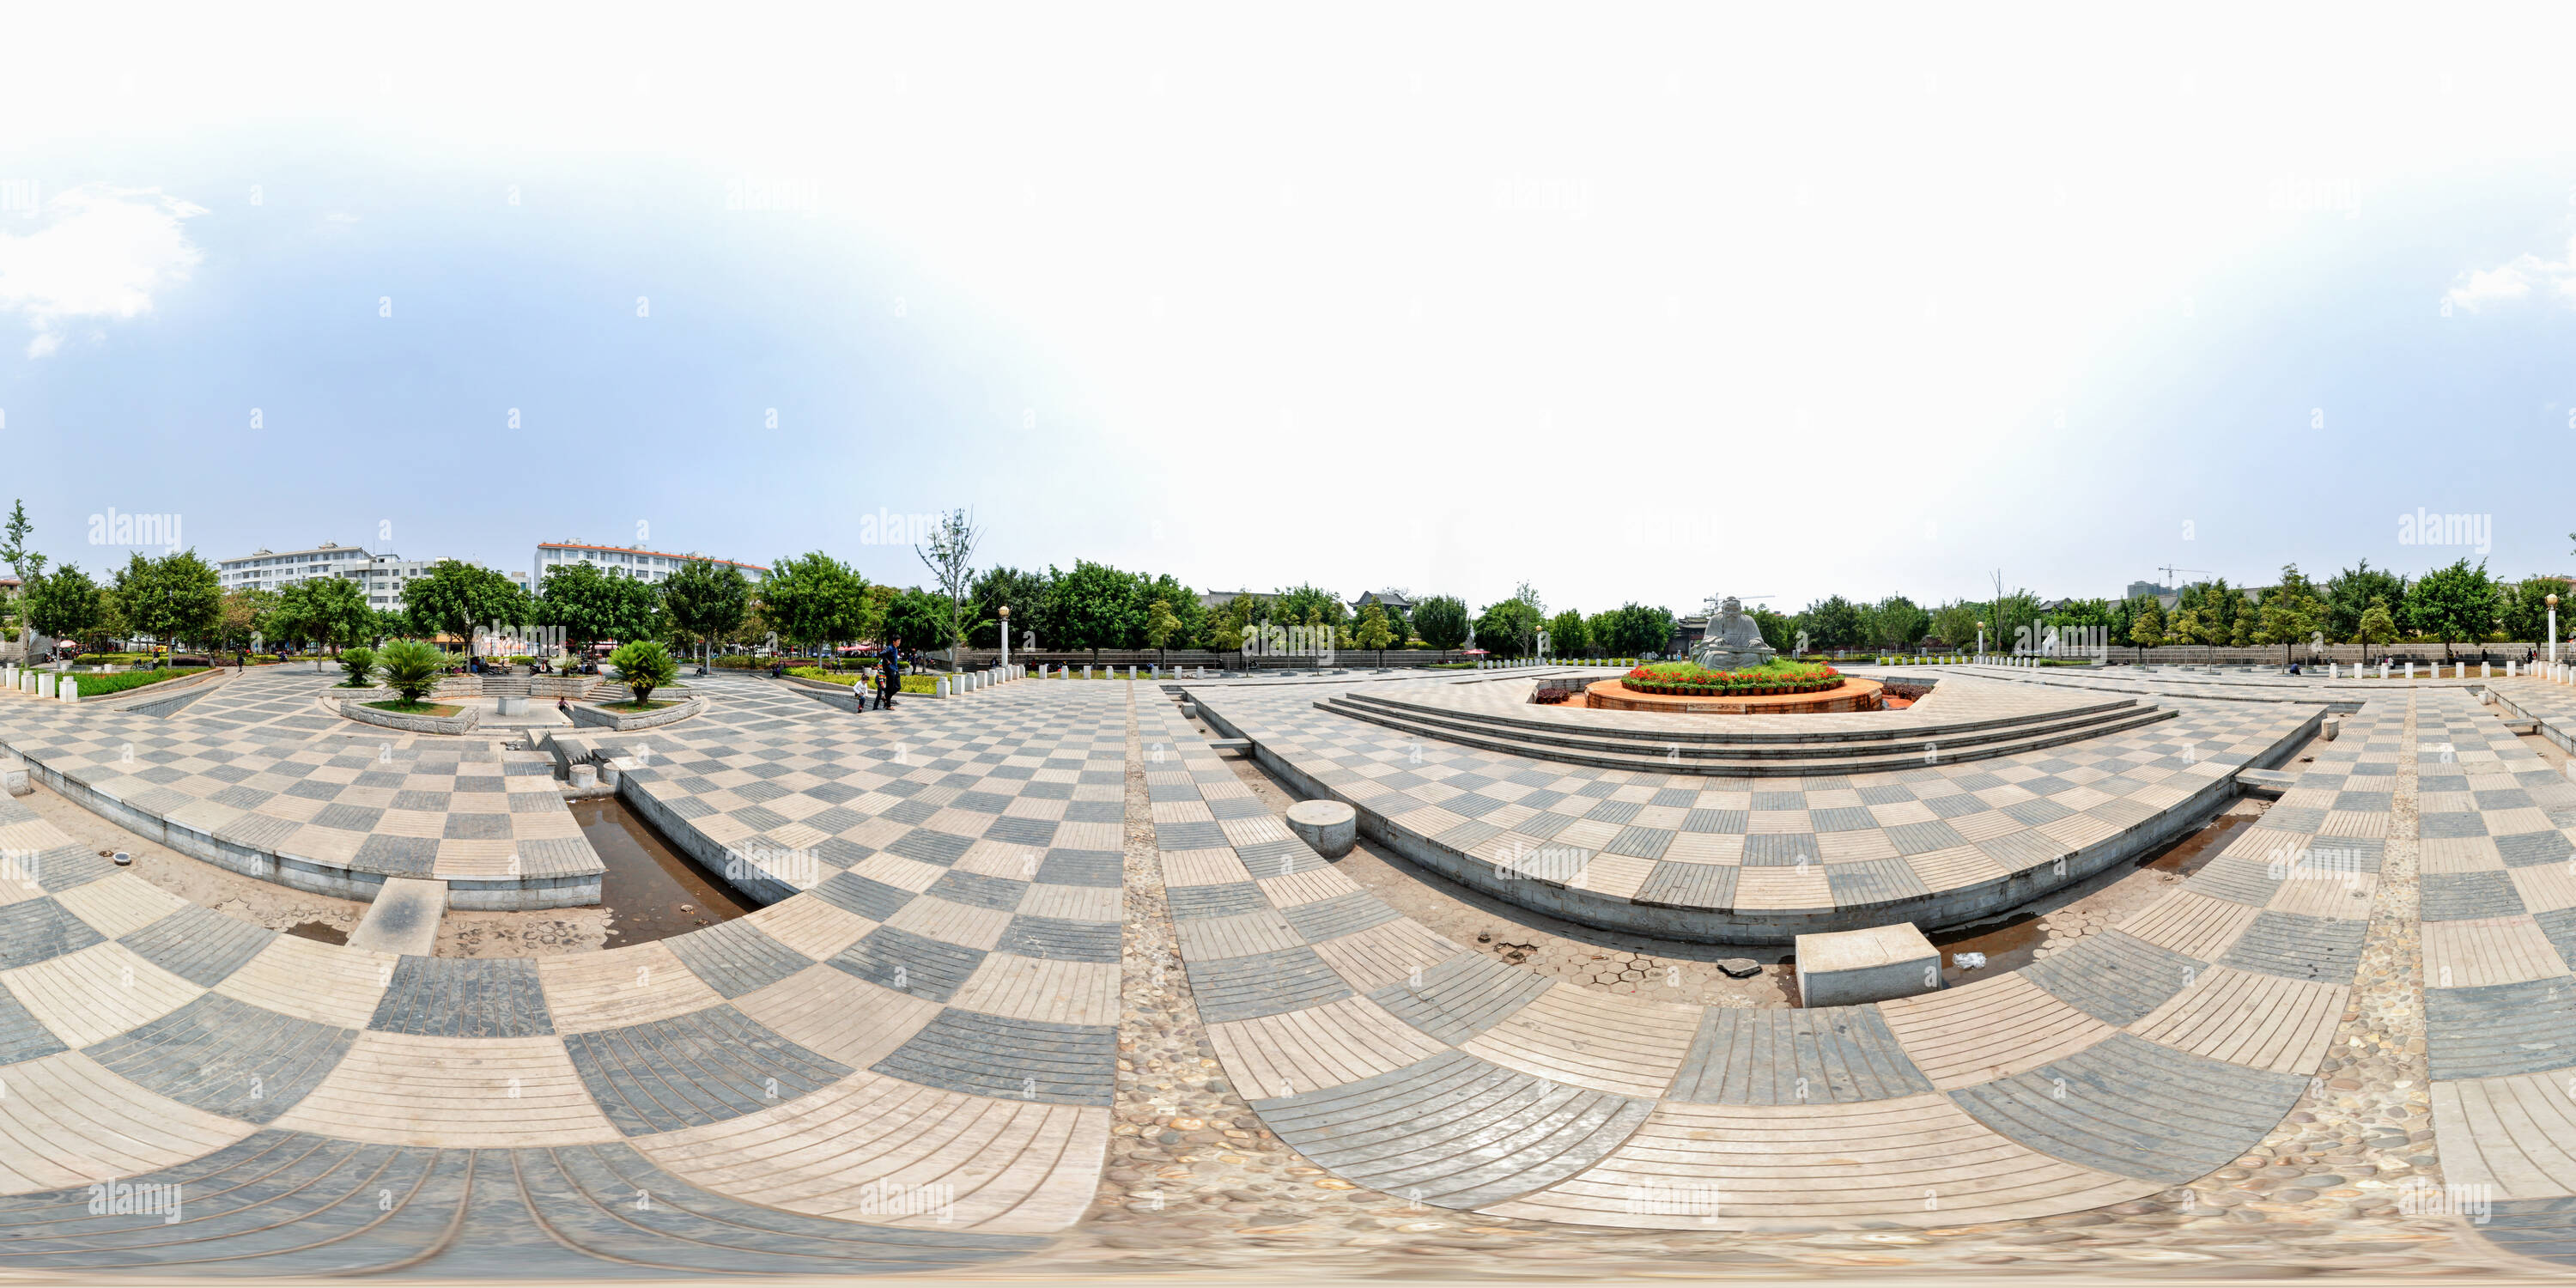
(1760, 859)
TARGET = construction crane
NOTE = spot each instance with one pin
(2169, 570)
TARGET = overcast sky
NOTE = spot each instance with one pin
(1647, 304)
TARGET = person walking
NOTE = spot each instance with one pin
(890, 676)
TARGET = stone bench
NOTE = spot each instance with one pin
(1848, 967)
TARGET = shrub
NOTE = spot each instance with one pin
(644, 666)
(360, 663)
(410, 668)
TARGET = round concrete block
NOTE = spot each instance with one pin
(1189, 711)
(583, 775)
(1330, 826)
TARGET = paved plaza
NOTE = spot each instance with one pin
(1036, 962)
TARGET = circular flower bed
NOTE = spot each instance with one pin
(1689, 679)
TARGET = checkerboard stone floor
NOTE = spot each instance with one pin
(1756, 860)
(254, 775)
(2499, 935)
(2142, 1059)
(784, 1093)
(935, 1007)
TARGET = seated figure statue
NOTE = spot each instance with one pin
(1733, 642)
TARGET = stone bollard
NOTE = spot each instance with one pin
(1331, 827)
(2333, 728)
(939, 687)
(583, 776)
(1189, 711)
(1086, 670)
(2486, 671)
(68, 689)
(13, 777)
(608, 771)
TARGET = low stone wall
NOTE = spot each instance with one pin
(462, 722)
(629, 722)
(522, 893)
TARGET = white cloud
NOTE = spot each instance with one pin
(2516, 280)
(102, 254)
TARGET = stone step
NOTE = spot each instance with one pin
(1908, 736)
(404, 918)
(1915, 740)
(1679, 757)
(2267, 783)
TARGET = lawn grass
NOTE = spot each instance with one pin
(93, 686)
(402, 708)
(632, 707)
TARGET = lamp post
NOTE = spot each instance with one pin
(2552, 601)
(1981, 641)
(1006, 641)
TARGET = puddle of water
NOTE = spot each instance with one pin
(2009, 942)
(651, 890)
(319, 930)
(2193, 852)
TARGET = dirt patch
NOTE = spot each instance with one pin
(230, 893)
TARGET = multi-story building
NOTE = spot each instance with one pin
(387, 574)
(626, 561)
(271, 570)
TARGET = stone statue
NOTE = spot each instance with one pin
(1733, 642)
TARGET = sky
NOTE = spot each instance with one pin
(1651, 304)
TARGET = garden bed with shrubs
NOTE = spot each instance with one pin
(1691, 680)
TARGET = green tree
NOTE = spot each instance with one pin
(1568, 635)
(331, 611)
(919, 618)
(389, 624)
(815, 599)
(643, 666)
(1024, 593)
(590, 604)
(2454, 603)
(455, 597)
(174, 596)
(1508, 628)
(1094, 607)
(64, 604)
(245, 614)
(1898, 623)
(24, 564)
(1779, 630)
(1161, 625)
(2349, 593)
(1956, 624)
(2290, 613)
(1441, 621)
(1307, 605)
(360, 663)
(1373, 631)
(708, 600)
(2523, 614)
(950, 553)
(1831, 622)
(2147, 625)
(1638, 629)
(2377, 625)
(410, 668)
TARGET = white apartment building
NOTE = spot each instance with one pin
(627, 561)
(271, 570)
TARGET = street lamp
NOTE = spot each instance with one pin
(1981, 641)
(2553, 630)
(1006, 640)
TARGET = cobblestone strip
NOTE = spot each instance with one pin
(2366, 1126)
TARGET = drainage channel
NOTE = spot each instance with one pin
(650, 889)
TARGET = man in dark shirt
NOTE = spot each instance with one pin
(889, 676)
